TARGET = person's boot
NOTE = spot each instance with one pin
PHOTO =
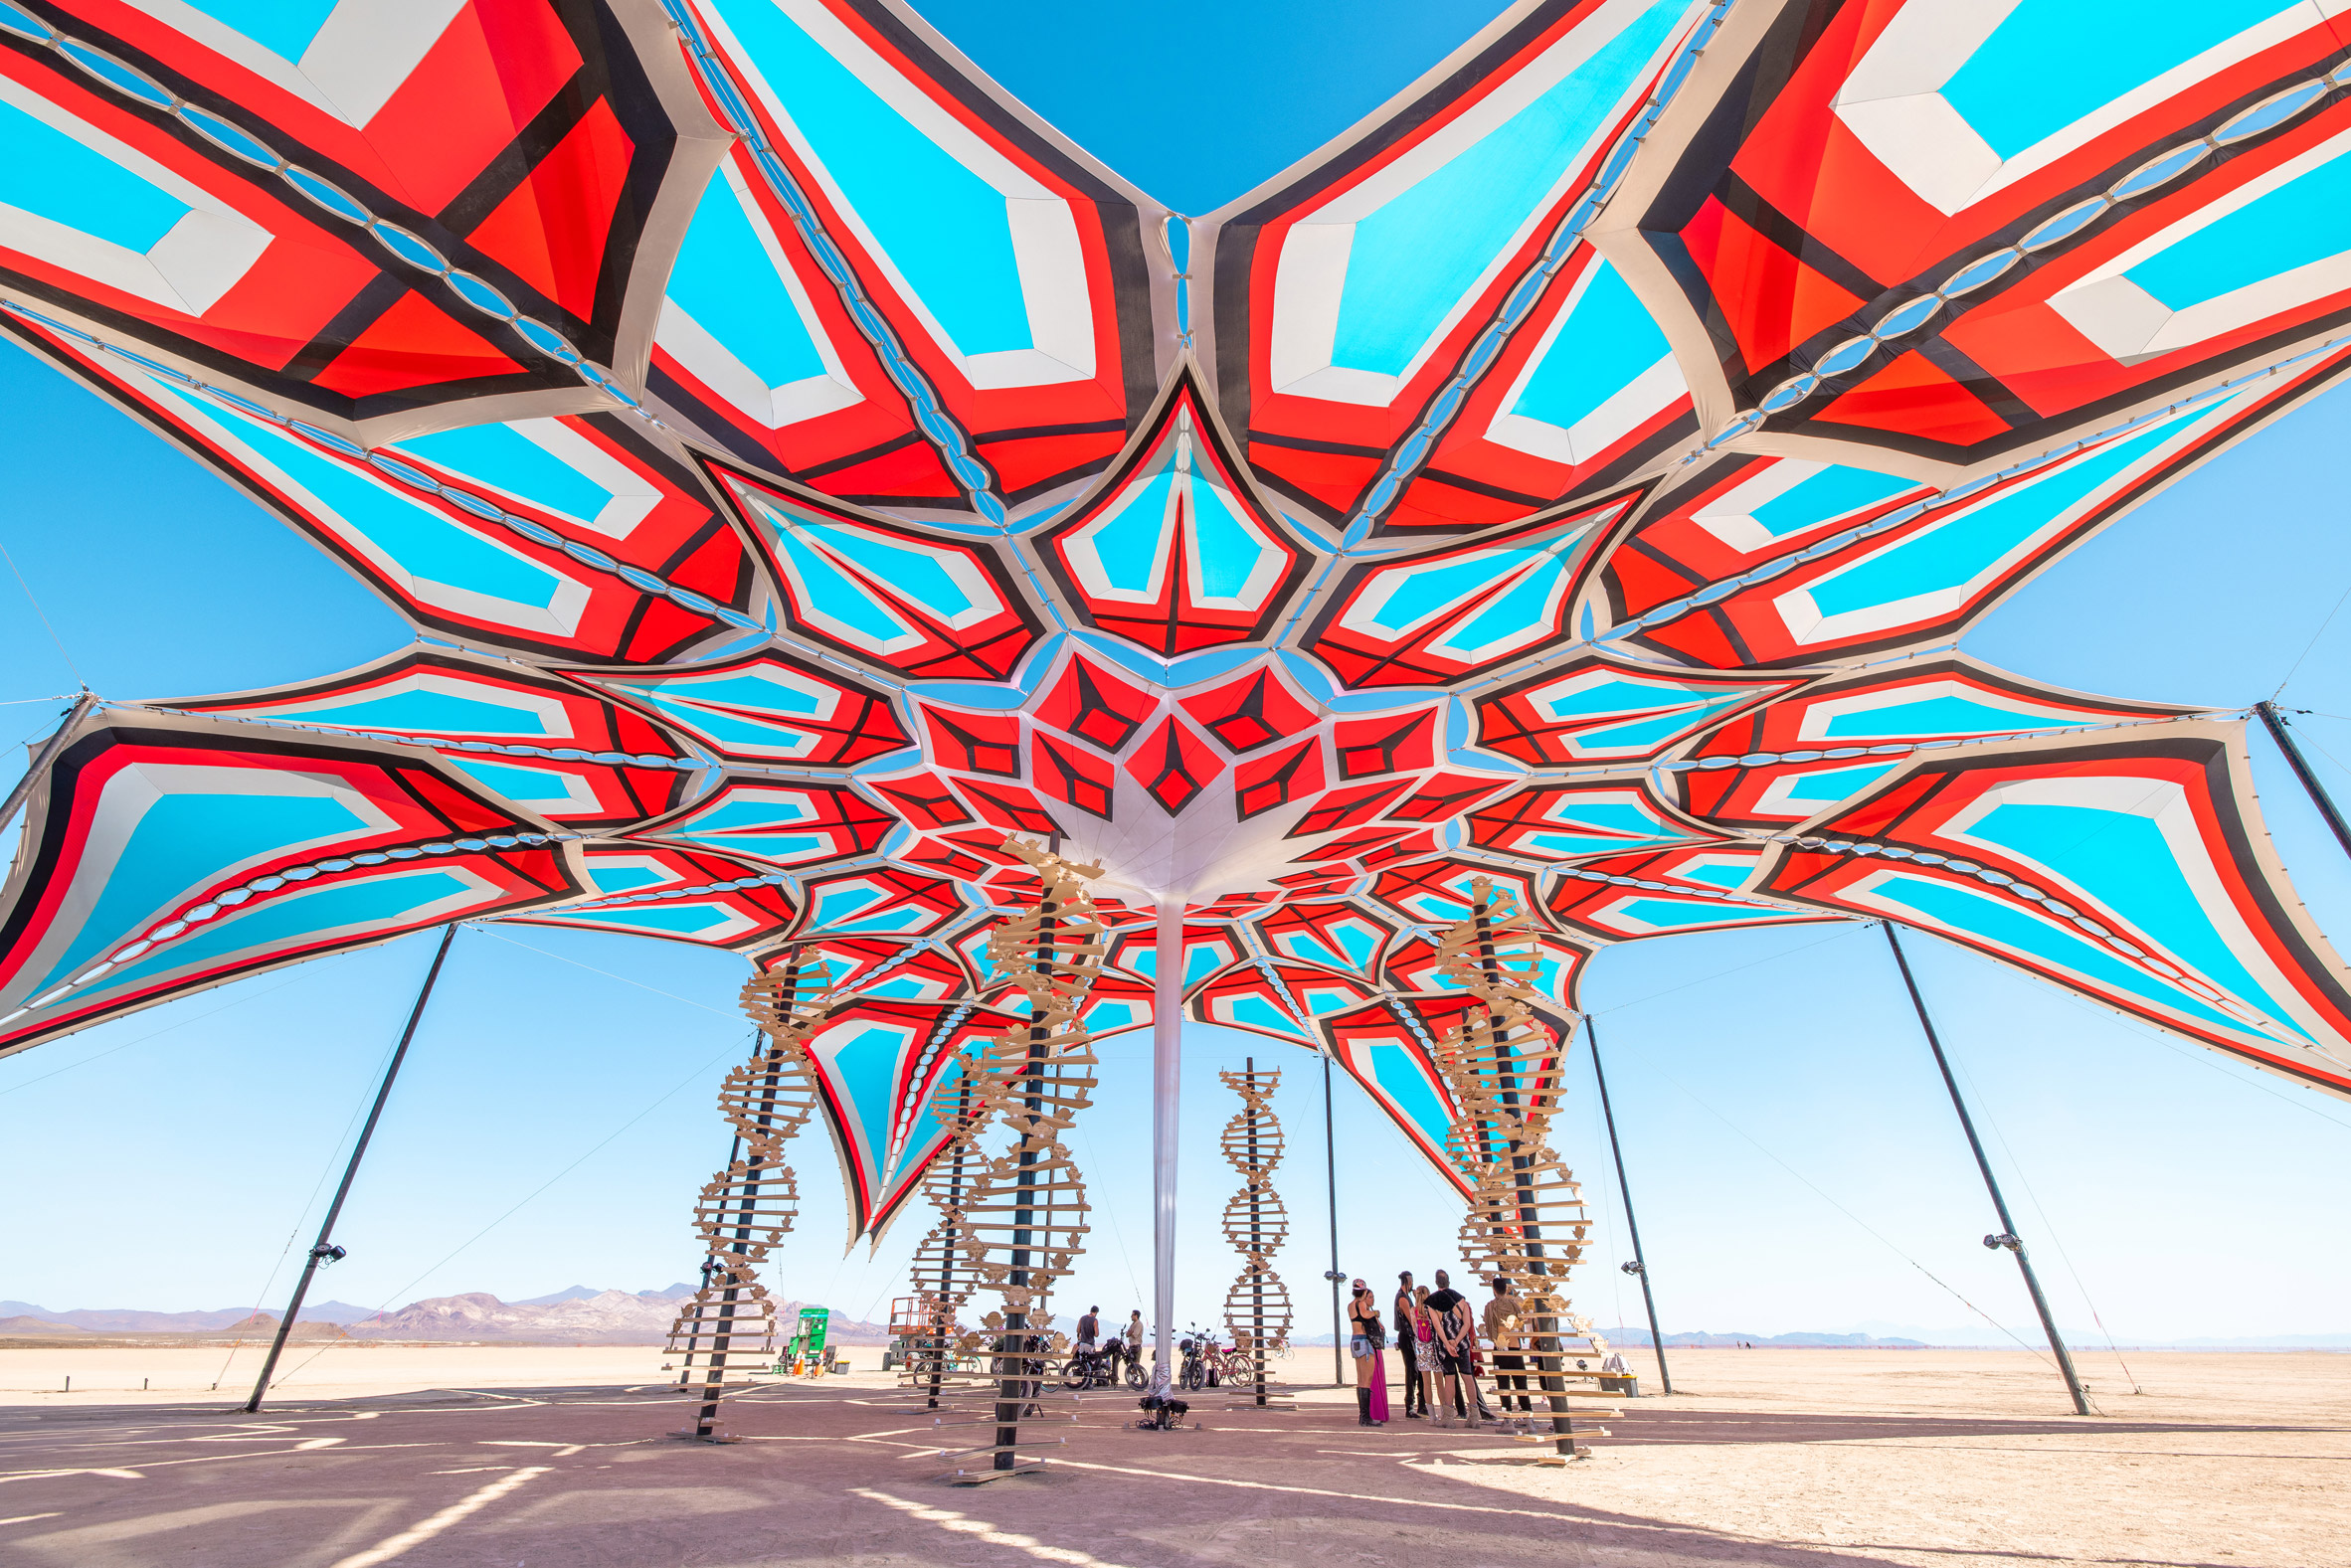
(1362, 1407)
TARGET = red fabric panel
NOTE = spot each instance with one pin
(413, 344)
(1334, 478)
(1771, 300)
(1034, 460)
(552, 230)
(1915, 397)
(909, 472)
(498, 64)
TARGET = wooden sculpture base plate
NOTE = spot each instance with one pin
(981, 1478)
(714, 1434)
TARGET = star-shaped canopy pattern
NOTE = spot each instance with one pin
(806, 470)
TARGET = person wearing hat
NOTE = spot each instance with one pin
(1365, 1337)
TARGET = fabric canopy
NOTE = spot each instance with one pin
(1576, 476)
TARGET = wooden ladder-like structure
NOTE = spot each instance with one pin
(746, 1209)
(1526, 1219)
(962, 1101)
(1257, 1311)
(1015, 1222)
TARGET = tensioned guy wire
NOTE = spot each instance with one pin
(47, 624)
(333, 1154)
(607, 974)
(2313, 644)
(1983, 1110)
(2320, 750)
(1880, 1236)
(700, 1072)
(2203, 1058)
(304, 971)
(1776, 958)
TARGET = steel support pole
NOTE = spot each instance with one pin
(44, 756)
(1632, 1226)
(2008, 1234)
(324, 1248)
(2275, 723)
(1167, 1063)
(1331, 1174)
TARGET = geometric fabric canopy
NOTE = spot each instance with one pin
(804, 469)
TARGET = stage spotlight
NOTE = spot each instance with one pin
(1995, 1242)
(329, 1252)
(1633, 1268)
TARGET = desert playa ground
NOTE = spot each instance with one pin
(545, 1457)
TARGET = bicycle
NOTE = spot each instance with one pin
(1022, 1370)
(1240, 1366)
(1203, 1363)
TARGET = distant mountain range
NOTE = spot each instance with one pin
(579, 1314)
(14, 1316)
(575, 1315)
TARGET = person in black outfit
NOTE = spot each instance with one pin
(1407, 1345)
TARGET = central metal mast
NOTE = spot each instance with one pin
(1166, 1062)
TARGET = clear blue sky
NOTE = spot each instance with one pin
(1790, 1146)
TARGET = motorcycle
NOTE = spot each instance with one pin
(1092, 1369)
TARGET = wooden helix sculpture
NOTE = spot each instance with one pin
(1526, 1219)
(1257, 1310)
(962, 1102)
(1015, 1222)
(1580, 1327)
(746, 1209)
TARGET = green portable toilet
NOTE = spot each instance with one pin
(807, 1344)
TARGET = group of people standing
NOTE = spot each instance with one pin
(1437, 1337)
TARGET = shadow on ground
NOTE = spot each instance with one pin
(585, 1476)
